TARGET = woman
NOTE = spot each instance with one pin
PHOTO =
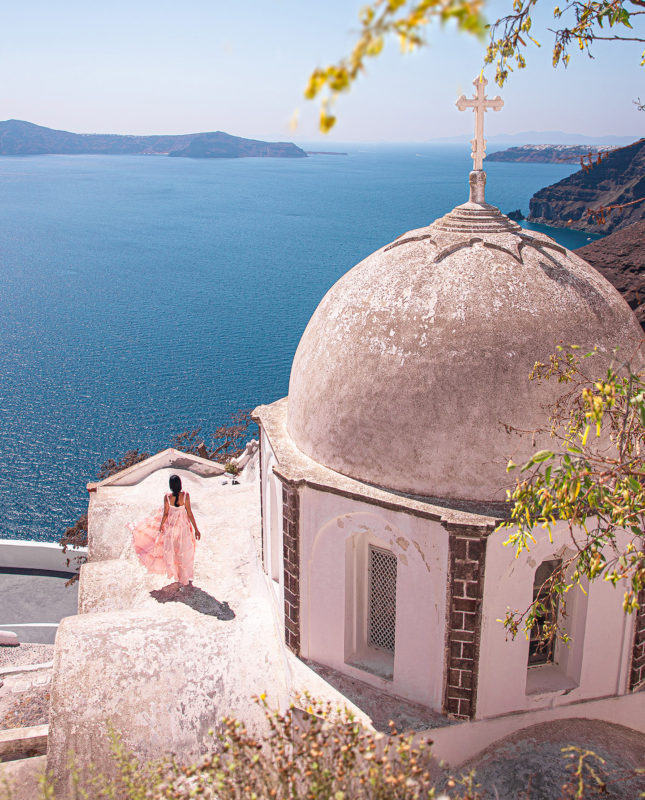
(166, 542)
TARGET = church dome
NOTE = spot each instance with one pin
(416, 362)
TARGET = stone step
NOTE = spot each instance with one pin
(21, 743)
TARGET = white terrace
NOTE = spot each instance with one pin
(163, 671)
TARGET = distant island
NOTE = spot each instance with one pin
(549, 153)
(19, 138)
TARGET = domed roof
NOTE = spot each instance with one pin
(417, 360)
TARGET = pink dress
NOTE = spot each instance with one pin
(171, 551)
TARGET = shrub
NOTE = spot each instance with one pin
(319, 753)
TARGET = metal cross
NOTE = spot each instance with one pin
(480, 105)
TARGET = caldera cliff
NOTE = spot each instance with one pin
(617, 180)
(620, 257)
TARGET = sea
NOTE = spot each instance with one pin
(141, 296)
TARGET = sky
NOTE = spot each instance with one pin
(138, 66)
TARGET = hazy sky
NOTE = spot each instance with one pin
(138, 66)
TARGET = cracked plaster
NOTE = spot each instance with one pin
(417, 360)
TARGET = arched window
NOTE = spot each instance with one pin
(541, 649)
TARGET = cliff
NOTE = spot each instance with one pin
(619, 178)
(620, 257)
(18, 138)
(548, 153)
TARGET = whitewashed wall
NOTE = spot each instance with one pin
(272, 518)
(332, 529)
(594, 665)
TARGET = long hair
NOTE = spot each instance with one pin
(175, 487)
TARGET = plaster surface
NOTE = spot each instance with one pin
(23, 777)
(457, 744)
(294, 466)
(417, 360)
(164, 668)
(339, 516)
(594, 664)
(336, 533)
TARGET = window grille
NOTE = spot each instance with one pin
(542, 651)
(381, 606)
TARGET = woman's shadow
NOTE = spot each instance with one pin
(195, 598)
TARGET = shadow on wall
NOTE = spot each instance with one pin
(194, 598)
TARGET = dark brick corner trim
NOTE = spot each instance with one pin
(637, 672)
(467, 556)
(291, 550)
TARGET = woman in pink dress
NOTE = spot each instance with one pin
(165, 542)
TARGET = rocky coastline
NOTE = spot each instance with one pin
(616, 183)
(549, 153)
(620, 258)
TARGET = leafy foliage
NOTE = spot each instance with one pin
(383, 18)
(582, 22)
(227, 442)
(594, 480)
(600, 214)
(75, 538)
(129, 459)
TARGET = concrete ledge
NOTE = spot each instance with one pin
(18, 670)
(170, 457)
(18, 743)
(33, 632)
(457, 744)
(39, 556)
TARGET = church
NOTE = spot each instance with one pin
(360, 546)
(384, 470)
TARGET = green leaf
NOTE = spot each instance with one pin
(641, 411)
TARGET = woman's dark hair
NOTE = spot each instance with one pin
(175, 487)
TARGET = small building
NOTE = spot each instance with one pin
(383, 473)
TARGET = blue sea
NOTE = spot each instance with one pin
(141, 296)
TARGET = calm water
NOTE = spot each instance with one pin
(141, 296)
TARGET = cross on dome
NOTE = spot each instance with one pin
(480, 104)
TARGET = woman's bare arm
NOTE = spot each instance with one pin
(165, 513)
(189, 511)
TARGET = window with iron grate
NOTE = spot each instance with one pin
(381, 603)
